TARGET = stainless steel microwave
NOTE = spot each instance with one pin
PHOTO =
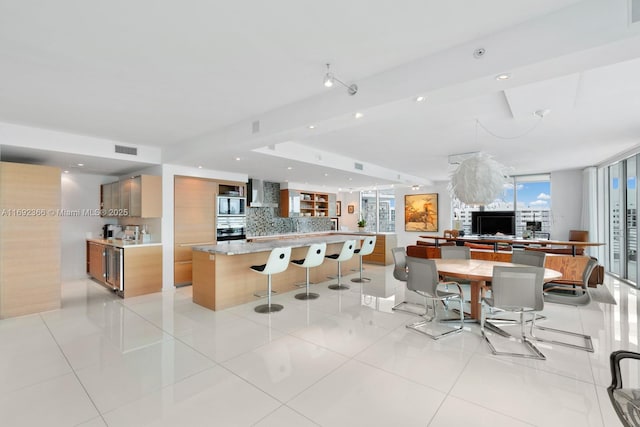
(231, 206)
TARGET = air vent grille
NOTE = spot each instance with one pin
(122, 149)
(358, 166)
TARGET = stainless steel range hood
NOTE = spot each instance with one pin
(255, 195)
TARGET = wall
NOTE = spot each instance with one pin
(79, 192)
(346, 219)
(444, 212)
(566, 203)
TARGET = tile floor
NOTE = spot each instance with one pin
(344, 359)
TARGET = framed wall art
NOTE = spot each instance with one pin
(338, 208)
(421, 212)
(351, 209)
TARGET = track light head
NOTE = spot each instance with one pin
(330, 79)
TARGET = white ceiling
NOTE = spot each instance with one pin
(192, 76)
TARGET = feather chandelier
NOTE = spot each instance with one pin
(478, 180)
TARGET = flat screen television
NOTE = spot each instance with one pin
(493, 222)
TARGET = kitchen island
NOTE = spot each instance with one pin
(222, 276)
(129, 268)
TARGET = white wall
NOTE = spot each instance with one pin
(444, 212)
(79, 192)
(566, 203)
(347, 219)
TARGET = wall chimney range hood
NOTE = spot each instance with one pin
(256, 196)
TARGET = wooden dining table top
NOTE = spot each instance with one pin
(481, 270)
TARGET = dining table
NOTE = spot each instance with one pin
(478, 272)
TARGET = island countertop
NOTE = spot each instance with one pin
(237, 247)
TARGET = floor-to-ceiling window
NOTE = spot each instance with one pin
(378, 208)
(622, 203)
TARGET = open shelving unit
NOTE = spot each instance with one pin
(314, 204)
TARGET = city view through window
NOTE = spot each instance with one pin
(529, 197)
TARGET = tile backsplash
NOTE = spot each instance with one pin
(267, 221)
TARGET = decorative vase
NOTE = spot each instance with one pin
(360, 228)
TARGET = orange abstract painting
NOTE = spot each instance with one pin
(421, 212)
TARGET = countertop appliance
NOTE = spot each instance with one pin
(110, 231)
(231, 205)
(231, 228)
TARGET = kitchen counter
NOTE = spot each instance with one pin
(238, 247)
(222, 275)
(119, 243)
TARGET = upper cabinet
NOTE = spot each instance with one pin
(139, 196)
(294, 203)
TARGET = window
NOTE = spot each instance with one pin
(531, 197)
(379, 210)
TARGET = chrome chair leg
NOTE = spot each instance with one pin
(588, 346)
(534, 352)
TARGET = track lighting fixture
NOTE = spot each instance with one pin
(330, 78)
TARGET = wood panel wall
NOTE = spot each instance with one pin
(29, 239)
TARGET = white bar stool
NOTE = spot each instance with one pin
(368, 244)
(277, 262)
(315, 257)
(345, 254)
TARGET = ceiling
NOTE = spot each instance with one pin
(195, 79)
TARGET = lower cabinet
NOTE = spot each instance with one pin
(382, 252)
(129, 271)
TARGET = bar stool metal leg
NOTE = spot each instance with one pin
(339, 286)
(307, 295)
(268, 307)
(361, 279)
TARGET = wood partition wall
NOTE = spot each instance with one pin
(29, 239)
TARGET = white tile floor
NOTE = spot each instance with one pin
(344, 359)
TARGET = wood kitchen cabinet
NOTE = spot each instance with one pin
(382, 251)
(139, 196)
(194, 221)
(30, 253)
(95, 261)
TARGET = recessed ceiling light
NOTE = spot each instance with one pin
(80, 164)
(289, 167)
(237, 159)
(420, 98)
(312, 126)
(340, 189)
(350, 179)
(358, 115)
(199, 166)
(504, 76)
(66, 171)
(326, 174)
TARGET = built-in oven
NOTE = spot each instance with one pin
(231, 206)
(231, 228)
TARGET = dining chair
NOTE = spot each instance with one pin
(423, 279)
(582, 297)
(530, 258)
(400, 273)
(314, 257)
(345, 254)
(277, 262)
(625, 401)
(455, 252)
(515, 290)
